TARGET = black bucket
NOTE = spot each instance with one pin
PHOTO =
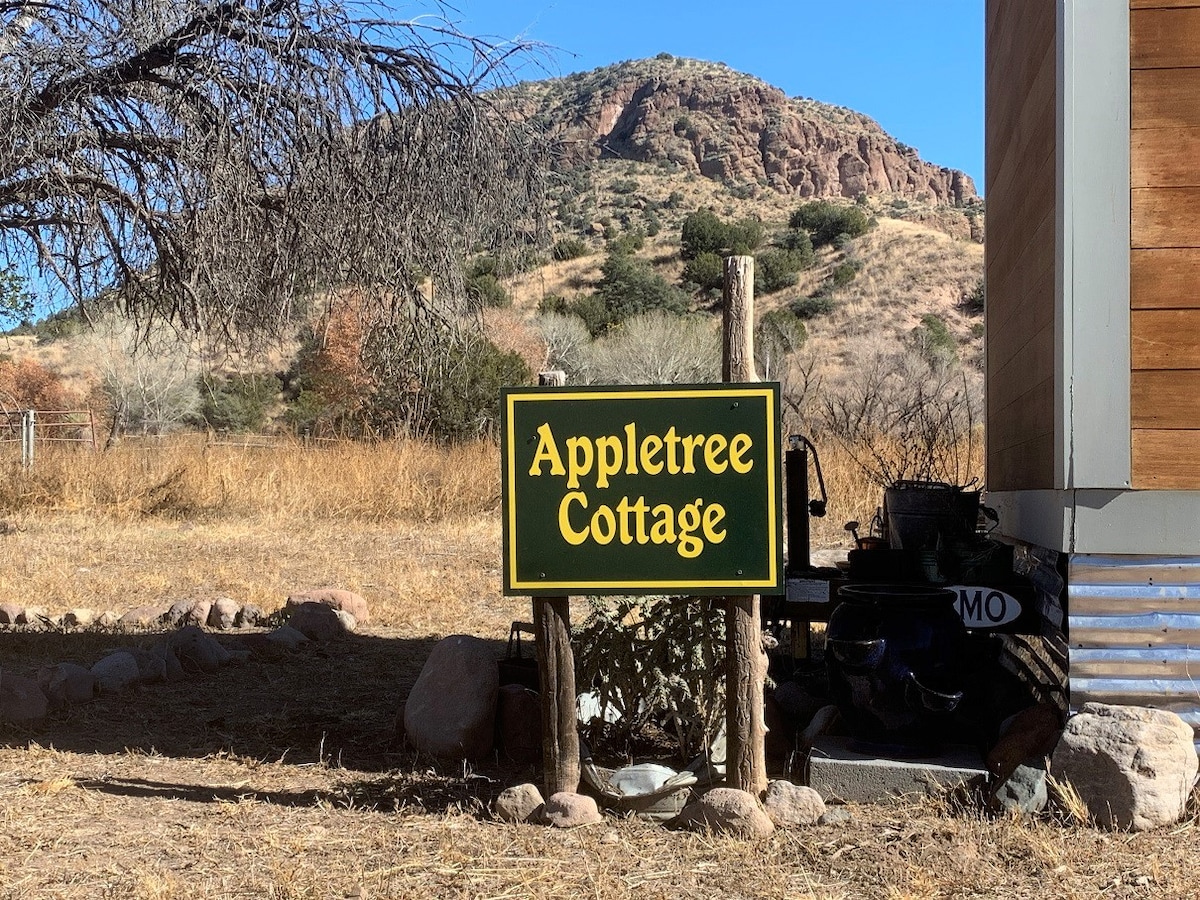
(930, 515)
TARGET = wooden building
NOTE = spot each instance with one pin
(1093, 326)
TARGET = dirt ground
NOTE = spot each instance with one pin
(285, 777)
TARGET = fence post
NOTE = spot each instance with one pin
(745, 664)
(28, 420)
(556, 666)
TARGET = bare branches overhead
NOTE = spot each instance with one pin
(218, 162)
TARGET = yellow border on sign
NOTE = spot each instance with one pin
(543, 396)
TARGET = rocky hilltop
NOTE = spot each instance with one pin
(729, 126)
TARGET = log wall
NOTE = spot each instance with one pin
(1165, 239)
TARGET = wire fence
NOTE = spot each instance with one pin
(32, 427)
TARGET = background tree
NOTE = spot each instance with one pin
(215, 161)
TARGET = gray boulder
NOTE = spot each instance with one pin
(33, 615)
(21, 700)
(318, 622)
(1023, 793)
(142, 617)
(727, 811)
(451, 710)
(66, 683)
(10, 612)
(521, 803)
(116, 673)
(248, 616)
(223, 613)
(1134, 767)
(286, 637)
(790, 805)
(152, 668)
(337, 599)
(79, 618)
(171, 665)
(197, 651)
(565, 810)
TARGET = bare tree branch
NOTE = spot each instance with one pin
(216, 164)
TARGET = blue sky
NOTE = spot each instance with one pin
(915, 66)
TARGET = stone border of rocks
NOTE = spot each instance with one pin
(310, 616)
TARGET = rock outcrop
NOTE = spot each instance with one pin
(722, 124)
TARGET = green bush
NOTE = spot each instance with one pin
(705, 270)
(627, 242)
(238, 403)
(744, 237)
(819, 304)
(702, 232)
(553, 303)
(845, 272)
(569, 248)
(486, 290)
(775, 270)
(825, 221)
(799, 243)
(623, 185)
(934, 340)
(627, 287)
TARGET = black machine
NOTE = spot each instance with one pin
(909, 613)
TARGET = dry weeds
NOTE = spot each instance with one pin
(285, 777)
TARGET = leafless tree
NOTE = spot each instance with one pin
(214, 162)
(655, 348)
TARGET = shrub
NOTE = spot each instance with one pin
(844, 272)
(30, 385)
(825, 221)
(744, 237)
(627, 287)
(975, 302)
(778, 335)
(569, 248)
(702, 232)
(819, 304)
(934, 341)
(798, 242)
(486, 290)
(623, 185)
(237, 403)
(553, 303)
(775, 270)
(705, 270)
(627, 242)
(656, 348)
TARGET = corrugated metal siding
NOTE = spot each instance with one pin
(1133, 625)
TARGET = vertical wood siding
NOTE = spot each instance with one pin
(1020, 254)
(1165, 237)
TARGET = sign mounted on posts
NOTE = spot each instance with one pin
(642, 490)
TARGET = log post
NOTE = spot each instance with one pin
(556, 668)
(745, 662)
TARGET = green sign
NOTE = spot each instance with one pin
(644, 490)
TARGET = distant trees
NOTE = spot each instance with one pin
(825, 221)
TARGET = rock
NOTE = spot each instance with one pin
(21, 699)
(151, 666)
(1134, 767)
(197, 651)
(67, 682)
(317, 622)
(177, 613)
(142, 617)
(248, 616)
(79, 618)
(348, 621)
(835, 815)
(197, 613)
(565, 810)
(1023, 793)
(727, 811)
(451, 709)
(171, 664)
(521, 803)
(1025, 738)
(107, 619)
(33, 615)
(10, 612)
(223, 613)
(286, 637)
(347, 601)
(519, 723)
(116, 673)
(789, 805)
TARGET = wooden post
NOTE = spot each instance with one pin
(556, 668)
(745, 662)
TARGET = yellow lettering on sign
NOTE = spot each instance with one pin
(737, 447)
(547, 451)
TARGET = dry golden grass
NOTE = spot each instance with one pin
(285, 778)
